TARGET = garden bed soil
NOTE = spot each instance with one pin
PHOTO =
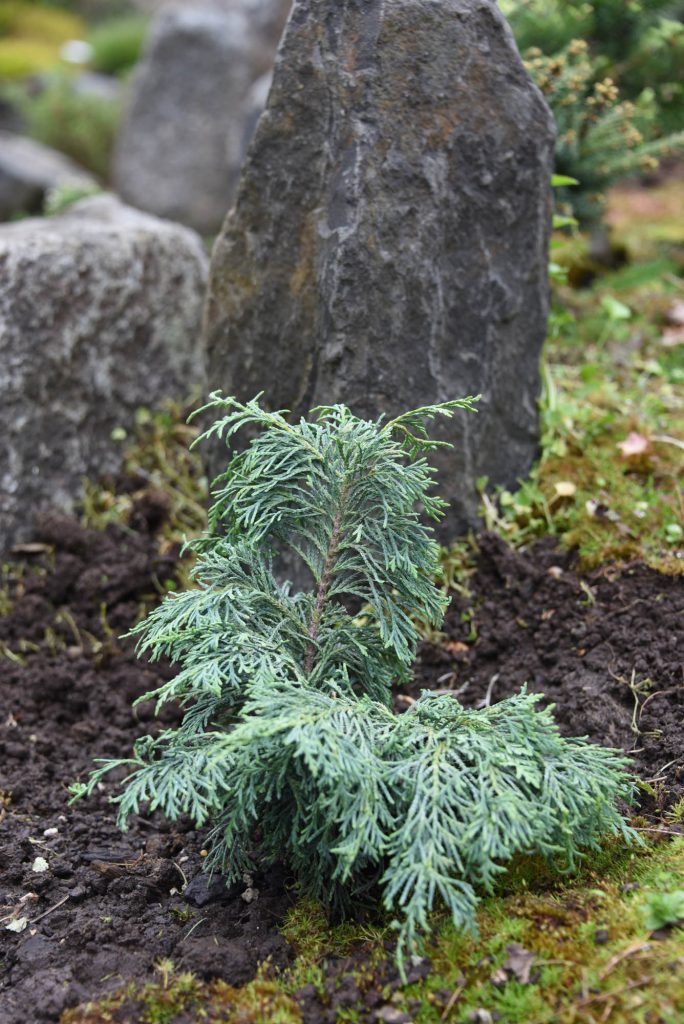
(111, 905)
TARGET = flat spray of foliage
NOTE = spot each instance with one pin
(289, 723)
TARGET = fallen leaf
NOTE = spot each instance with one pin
(519, 962)
(672, 336)
(615, 309)
(456, 647)
(634, 444)
(675, 313)
(17, 925)
(565, 489)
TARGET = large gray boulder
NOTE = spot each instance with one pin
(29, 170)
(388, 247)
(189, 101)
(99, 314)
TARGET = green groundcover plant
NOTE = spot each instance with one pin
(289, 724)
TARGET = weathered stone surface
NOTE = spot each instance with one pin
(188, 98)
(28, 170)
(388, 246)
(99, 314)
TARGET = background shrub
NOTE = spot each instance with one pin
(80, 125)
(117, 44)
(612, 72)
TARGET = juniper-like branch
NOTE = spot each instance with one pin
(287, 697)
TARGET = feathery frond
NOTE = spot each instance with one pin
(288, 722)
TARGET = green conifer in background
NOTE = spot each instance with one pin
(288, 719)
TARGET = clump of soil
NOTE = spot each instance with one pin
(108, 906)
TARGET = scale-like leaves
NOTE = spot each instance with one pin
(288, 723)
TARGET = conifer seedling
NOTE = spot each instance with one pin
(288, 721)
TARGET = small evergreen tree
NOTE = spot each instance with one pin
(639, 44)
(288, 722)
(600, 139)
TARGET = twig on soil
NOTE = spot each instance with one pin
(666, 439)
(625, 608)
(659, 693)
(453, 998)
(631, 950)
(638, 689)
(182, 873)
(660, 777)
(639, 983)
(46, 912)
(195, 925)
(488, 695)
(660, 831)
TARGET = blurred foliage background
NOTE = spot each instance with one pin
(62, 68)
(611, 70)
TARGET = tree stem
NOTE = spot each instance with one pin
(324, 583)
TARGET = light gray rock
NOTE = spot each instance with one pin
(188, 103)
(99, 314)
(388, 247)
(267, 16)
(28, 170)
(99, 86)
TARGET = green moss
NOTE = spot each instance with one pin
(263, 1001)
(156, 450)
(31, 37)
(38, 22)
(80, 125)
(307, 928)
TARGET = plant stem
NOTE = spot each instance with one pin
(324, 583)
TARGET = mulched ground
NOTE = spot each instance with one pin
(111, 905)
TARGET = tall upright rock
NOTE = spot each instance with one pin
(388, 247)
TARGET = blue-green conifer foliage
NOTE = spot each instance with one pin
(288, 721)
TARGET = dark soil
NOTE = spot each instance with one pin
(606, 649)
(120, 900)
(111, 905)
